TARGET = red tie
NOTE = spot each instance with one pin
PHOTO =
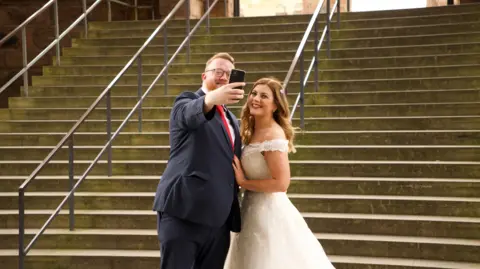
(222, 115)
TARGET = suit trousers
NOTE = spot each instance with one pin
(188, 245)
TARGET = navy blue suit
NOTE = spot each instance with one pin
(197, 197)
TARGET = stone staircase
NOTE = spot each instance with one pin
(387, 172)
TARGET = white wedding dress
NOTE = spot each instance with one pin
(274, 234)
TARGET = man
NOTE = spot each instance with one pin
(196, 199)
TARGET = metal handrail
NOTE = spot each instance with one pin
(58, 37)
(69, 137)
(314, 62)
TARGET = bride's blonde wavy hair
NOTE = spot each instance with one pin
(281, 115)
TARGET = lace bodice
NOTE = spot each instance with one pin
(253, 162)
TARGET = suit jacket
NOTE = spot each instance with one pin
(198, 183)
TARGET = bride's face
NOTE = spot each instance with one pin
(261, 101)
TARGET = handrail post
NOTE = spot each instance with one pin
(25, 60)
(21, 228)
(57, 31)
(338, 14)
(153, 13)
(187, 11)
(225, 5)
(316, 55)
(109, 8)
(165, 59)
(328, 28)
(85, 20)
(71, 200)
(208, 16)
(302, 123)
(136, 10)
(348, 5)
(109, 131)
(139, 91)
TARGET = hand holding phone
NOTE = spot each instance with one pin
(227, 94)
(237, 75)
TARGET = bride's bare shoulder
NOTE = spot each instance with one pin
(275, 133)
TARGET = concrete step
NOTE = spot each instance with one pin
(418, 187)
(311, 124)
(360, 137)
(415, 16)
(348, 204)
(150, 72)
(372, 224)
(282, 51)
(334, 244)
(409, 20)
(84, 87)
(332, 64)
(308, 168)
(277, 38)
(304, 152)
(101, 259)
(210, 49)
(202, 30)
(193, 68)
(344, 110)
(346, 31)
(176, 40)
(399, 61)
(318, 98)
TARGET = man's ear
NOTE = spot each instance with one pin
(203, 76)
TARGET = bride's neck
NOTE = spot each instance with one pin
(263, 122)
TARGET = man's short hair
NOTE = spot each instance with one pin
(221, 55)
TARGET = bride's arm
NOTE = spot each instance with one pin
(279, 167)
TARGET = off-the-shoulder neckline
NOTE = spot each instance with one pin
(265, 141)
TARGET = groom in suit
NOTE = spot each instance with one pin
(196, 199)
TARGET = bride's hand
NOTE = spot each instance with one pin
(237, 168)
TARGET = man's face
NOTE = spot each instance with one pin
(217, 74)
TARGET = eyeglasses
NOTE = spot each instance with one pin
(219, 72)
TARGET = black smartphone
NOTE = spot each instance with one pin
(237, 75)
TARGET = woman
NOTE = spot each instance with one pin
(274, 234)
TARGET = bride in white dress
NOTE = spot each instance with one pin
(274, 234)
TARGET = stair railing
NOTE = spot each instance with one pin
(69, 137)
(58, 36)
(299, 55)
